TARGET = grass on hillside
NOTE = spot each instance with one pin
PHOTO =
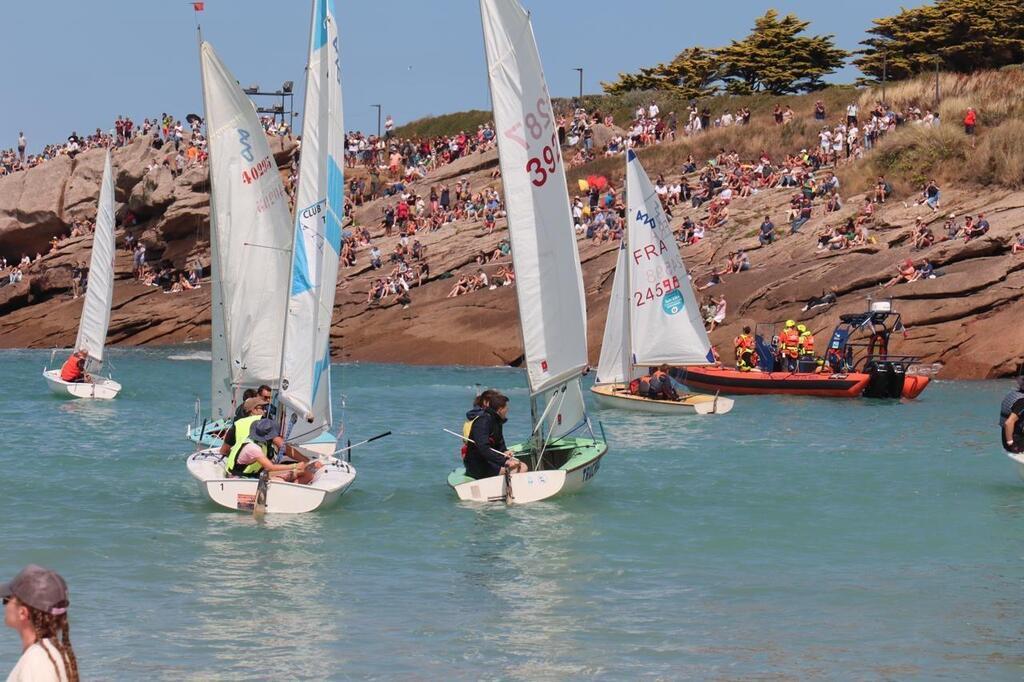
(448, 124)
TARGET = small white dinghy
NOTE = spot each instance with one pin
(549, 281)
(330, 482)
(99, 293)
(1018, 459)
(100, 388)
(653, 316)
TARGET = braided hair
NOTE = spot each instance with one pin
(49, 626)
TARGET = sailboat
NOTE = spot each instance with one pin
(549, 282)
(92, 327)
(653, 316)
(298, 273)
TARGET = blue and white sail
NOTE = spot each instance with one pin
(665, 324)
(306, 361)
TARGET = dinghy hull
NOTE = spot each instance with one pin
(239, 494)
(582, 460)
(100, 388)
(617, 396)
(1018, 461)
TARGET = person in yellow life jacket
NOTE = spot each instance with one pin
(789, 341)
(249, 448)
(746, 355)
(480, 405)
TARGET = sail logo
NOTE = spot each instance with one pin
(673, 302)
(243, 139)
(644, 218)
(337, 60)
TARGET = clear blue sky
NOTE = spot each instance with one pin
(77, 64)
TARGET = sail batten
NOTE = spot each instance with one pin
(305, 368)
(665, 324)
(99, 294)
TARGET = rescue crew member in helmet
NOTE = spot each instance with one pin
(660, 386)
(486, 453)
(746, 357)
(789, 342)
(255, 411)
(806, 341)
(1011, 417)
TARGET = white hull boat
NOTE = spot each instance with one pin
(239, 494)
(582, 462)
(617, 396)
(100, 388)
(1018, 459)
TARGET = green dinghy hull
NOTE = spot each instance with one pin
(568, 466)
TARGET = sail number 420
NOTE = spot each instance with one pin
(657, 291)
(526, 132)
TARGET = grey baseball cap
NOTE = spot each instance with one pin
(40, 588)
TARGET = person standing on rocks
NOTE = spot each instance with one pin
(22, 144)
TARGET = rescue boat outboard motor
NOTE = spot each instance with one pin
(887, 377)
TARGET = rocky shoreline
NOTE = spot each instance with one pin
(969, 320)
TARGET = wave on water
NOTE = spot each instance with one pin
(203, 355)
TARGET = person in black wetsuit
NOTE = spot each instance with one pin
(1011, 418)
(486, 444)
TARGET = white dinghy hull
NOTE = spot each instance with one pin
(617, 396)
(239, 494)
(1018, 460)
(100, 388)
(580, 468)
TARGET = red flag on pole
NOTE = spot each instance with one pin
(198, 6)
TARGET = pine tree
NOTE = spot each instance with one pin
(774, 58)
(962, 35)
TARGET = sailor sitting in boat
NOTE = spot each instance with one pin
(486, 453)
(263, 393)
(251, 442)
(73, 370)
(660, 385)
(1011, 419)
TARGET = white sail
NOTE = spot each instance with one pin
(99, 294)
(665, 321)
(616, 364)
(252, 228)
(305, 372)
(549, 283)
(564, 409)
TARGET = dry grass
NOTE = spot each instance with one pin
(995, 95)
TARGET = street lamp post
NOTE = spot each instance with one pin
(378, 118)
(580, 69)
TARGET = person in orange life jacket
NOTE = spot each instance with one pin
(660, 386)
(73, 370)
(486, 453)
(255, 410)
(746, 357)
(805, 342)
(789, 341)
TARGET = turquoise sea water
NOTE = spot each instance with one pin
(793, 538)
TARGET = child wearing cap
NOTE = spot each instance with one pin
(36, 605)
